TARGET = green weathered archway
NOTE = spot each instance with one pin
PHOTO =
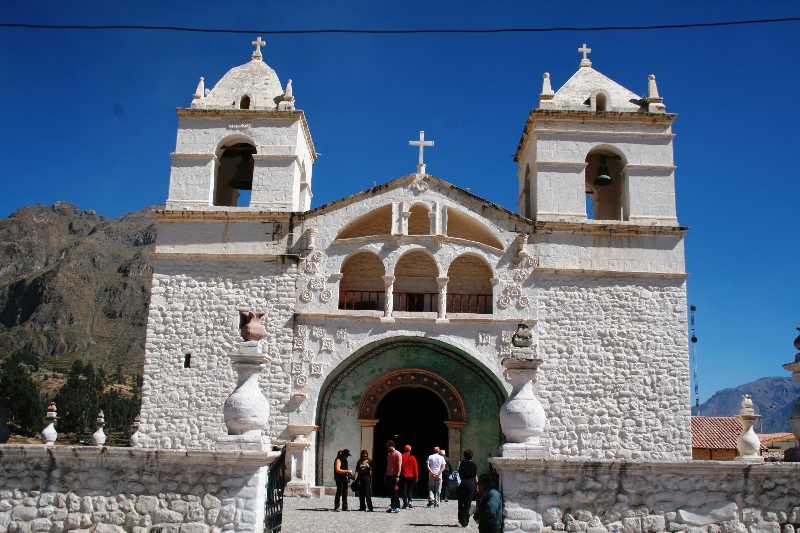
(342, 391)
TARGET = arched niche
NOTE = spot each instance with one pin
(415, 286)
(469, 285)
(605, 202)
(376, 222)
(362, 286)
(419, 222)
(234, 173)
(463, 226)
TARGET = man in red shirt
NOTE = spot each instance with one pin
(409, 475)
(394, 463)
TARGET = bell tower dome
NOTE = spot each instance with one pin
(243, 135)
(594, 150)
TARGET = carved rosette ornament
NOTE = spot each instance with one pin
(747, 443)
(246, 409)
(522, 417)
(792, 455)
(253, 329)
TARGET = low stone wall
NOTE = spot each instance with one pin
(549, 496)
(109, 490)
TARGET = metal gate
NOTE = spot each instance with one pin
(276, 481)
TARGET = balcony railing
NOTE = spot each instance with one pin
(469, 303)
(415, 302)
(362, 300)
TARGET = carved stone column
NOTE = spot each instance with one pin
(389, 299)
(298, 467)
(454, 440)
(442, 297)
(522, 417)
(367, 433)
(748, 443)
(792, 455)
(246, 409)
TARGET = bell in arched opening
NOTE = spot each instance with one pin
(603, 176)
(243, 178)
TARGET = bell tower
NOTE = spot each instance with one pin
(243, 135)
(594, 150)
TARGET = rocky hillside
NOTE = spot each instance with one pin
(75, 285)
(782, 392)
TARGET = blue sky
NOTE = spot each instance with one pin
(88, 117)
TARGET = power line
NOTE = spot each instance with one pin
(389, 32)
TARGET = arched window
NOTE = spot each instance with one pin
(419, 223)
(415, 285)
(469, 288)
(600, 102)
(244, 103)
(234, 174)
(463, 226)
(362, 285)
(603, 180)
(376, 222)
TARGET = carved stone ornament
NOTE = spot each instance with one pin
(316, 256)
(317, 332)
(523, 337)
(247, 410)
(99, 437)
(308, 356)
(310, 268)
(253, 329)
(49, 433)
(327, 345)
(299, 343)
(316, 283)
(316, 369)
(503, 302)
(506, 337)
(483, 337)
(522, 417)
(301, 380)
(748, 443)
(419, 185)
(306, 295)
(297, 367)
(523, 301)
(514, 291)
(341, 334)
(520, 275)
(325, 296)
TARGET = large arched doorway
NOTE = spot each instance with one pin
(410, 416)
(346, 412)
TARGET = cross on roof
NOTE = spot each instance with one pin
(585, 61)
(258, 43)
(422, 143)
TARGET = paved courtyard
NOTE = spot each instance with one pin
(315, 515)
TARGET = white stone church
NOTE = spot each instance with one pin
(411, 293)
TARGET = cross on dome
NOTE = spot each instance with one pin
(422, 143)
(585, 61)
(258, 43)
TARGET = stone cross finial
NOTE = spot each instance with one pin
(585, 61)
(422, 143)
(258, 43)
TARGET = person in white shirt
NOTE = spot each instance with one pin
(435, 464)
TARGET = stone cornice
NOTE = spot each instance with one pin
(429, 318)
(251, 114)
(611, 273)
(225, 214)
(608, 228)
(590, 117)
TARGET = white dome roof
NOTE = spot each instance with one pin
(255, 79)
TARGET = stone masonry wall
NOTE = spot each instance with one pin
(113, 490)
(194, 308)
(638, 497)
(614, 382)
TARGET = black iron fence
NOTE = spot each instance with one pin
(276, 482)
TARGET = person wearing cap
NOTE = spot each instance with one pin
(341, 475)
(446, 473)
(409, 476)
(489, 515)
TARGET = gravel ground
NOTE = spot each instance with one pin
(315, 515)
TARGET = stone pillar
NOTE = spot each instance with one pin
(748, 443)
(442, 297)
(792, 455)
(367, 433)
(246, 409)
(522, 417)
(454, 440)
(298, 471)
(389, 300)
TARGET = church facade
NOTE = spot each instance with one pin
(414, 292)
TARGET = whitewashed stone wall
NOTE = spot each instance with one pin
(113, 490)
(649, 497)
(194, 308)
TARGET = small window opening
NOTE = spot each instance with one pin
(245, 102)
(187, 360)
(600, 102)
(235, 175)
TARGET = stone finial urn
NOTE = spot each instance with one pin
(523, 338)
(792, 455)
(134, 440)
(99, 436)
(748, 443)
(49, 433)
(522, 417)
(246, 409)
(253, 329)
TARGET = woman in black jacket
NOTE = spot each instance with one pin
(468, 473)
(364, 481)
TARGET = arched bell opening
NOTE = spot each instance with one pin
(235, 175)
(604, 185)
(244, 103)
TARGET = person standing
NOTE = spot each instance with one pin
(364, 482)
(448, 470)
(409, 476)
(435, 464)
(489, 515)
(342, 476)
(468, 473)
(394, 462)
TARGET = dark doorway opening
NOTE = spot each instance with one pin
(412, 416)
